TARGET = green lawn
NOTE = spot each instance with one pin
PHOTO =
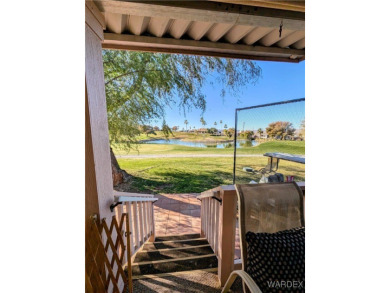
(182, 175)
(293, 147)
(184, 135)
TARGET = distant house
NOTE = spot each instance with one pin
(298, 135)
(263, 135)
(278, 137)
(202, 130)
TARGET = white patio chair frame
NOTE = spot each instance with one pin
(286, 202)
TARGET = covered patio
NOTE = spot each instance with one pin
(56, 171)
(160, 237)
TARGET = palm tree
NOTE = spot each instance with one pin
(186, 122)
(203, 122)
(260, 131)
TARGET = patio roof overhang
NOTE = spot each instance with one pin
(234, 29)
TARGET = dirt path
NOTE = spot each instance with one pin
(183, 156)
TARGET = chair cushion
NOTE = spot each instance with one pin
(276, 261)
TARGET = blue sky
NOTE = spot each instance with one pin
(253, 119)
(280, 82)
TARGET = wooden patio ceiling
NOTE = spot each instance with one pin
(251, 30)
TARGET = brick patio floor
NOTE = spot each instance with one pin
(176, 214)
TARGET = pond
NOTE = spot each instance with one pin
(218, 145)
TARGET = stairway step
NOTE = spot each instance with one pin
(175, 274)
(174, 244)
(170, 266)
(172, 253)
(177, 237)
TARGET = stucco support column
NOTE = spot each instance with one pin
(98, 175)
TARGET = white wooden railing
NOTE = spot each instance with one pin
(209, 214)
(218, 225)
(139, 207)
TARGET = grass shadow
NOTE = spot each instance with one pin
(179, 182)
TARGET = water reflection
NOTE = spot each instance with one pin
(218, 145)
(245, 143)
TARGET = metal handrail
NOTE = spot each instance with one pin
(119, 199)
(207, 194)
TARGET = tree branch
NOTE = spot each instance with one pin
(129, 73)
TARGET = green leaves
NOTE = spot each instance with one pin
(229, 132)
(140, 85)
(280, 129)
(166, 129)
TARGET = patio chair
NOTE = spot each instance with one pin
(275, 208)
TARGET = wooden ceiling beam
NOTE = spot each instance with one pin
(206, 11)
(285, 5)
(91, 6)
(116, 22)
(165, 45)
